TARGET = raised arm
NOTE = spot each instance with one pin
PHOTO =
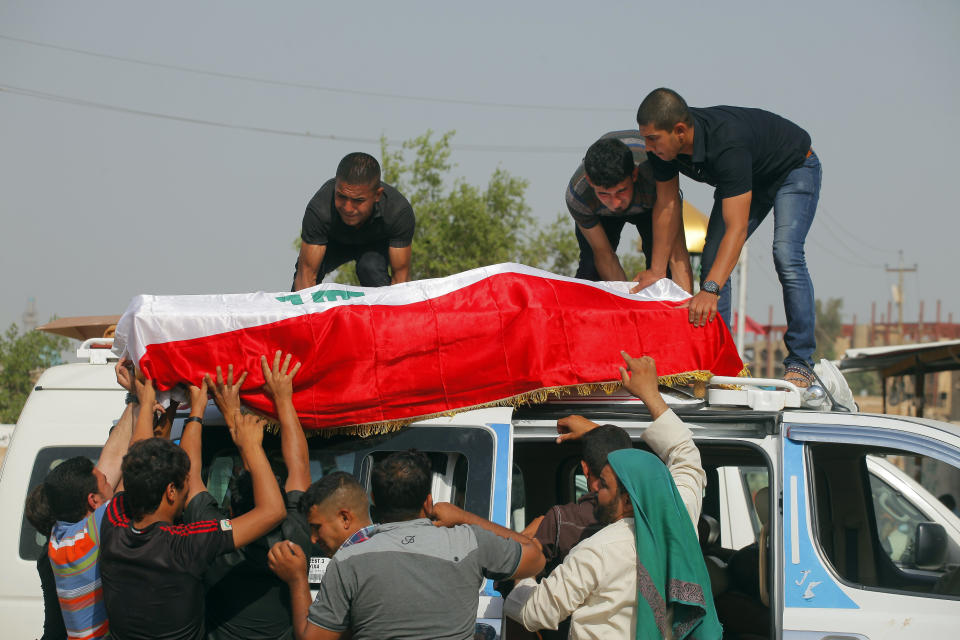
(147, 400)
(111, 456)
(668, 437)
(191, 440)
(226, 394)
(278, 384)
(268, 509)
(573, 427)
(163, 428)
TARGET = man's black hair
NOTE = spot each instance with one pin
(948, 501)
(37, 511)
(400, 484)
(608, 162)
(359, 168)
(148, 468)
(663, 108)
(600, 442)
(322, 489)
(67, 487)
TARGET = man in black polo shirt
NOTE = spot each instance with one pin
(756, 160)
(614, 186)
(355, 216)
(151, 568)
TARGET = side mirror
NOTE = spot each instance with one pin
(930, 546)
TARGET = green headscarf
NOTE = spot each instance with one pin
(670, 566)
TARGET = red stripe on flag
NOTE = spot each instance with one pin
(507, 334)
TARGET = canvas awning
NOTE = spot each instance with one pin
(82, 327)
(915, 360)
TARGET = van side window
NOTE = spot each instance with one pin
(32, 541)
(449, 475)
(878, 526)
(226, 463)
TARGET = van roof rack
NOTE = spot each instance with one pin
(94, 332)
(760, 394)
(757, 394)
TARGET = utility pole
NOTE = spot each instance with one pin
(30, 315)
(900, 270)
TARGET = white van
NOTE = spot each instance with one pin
(826, 561)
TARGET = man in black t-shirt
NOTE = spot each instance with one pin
(756, 160)
(244, 598)
(355, 216)
(152, 569)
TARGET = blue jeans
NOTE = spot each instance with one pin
(794, 207)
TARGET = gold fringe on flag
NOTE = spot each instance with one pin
(537, 396)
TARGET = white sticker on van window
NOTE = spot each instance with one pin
(318, 567)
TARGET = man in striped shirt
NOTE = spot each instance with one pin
(78, 493)
(614, 185)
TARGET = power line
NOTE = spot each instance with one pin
(853, 252)
(501, 148)
(862, 265)
(830, 220)
(315, 87)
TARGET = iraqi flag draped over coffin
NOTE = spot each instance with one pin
(375, 358)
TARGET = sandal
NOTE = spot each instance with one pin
(799, 375)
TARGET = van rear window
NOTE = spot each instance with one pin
(31, 540)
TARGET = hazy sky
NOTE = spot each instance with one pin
(101, 201)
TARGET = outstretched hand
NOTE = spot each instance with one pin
(225, 393)
(448, 515)
(287, 560)
(198, 398)
(125, 377)
(641, 381)
(246, 430)
(573, 427)
(278, 383)
(146, 393)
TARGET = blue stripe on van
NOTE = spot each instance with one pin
(502, 477)
(806, 582)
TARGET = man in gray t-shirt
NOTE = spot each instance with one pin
(410, 578)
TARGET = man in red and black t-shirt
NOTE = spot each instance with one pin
(152, 569)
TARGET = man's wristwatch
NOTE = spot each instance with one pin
(711, 287)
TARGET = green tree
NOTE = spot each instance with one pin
(828, 328)
(461, 226)
(863, 382)
(22, 358)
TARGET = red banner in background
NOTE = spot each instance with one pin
(379, 357)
